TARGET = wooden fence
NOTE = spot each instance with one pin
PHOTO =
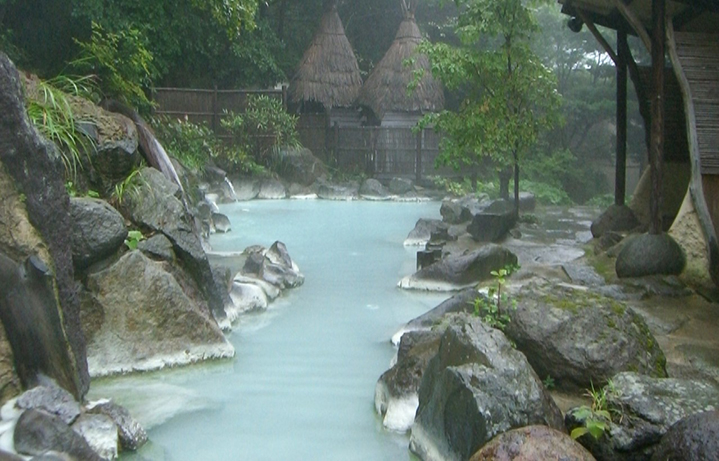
(380, 152)
(207, 107)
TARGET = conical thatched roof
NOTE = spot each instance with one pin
(328, 72)
(386, 87)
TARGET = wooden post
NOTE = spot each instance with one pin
(656, 148)
(418, 161)
(213, 120)
(621, 153)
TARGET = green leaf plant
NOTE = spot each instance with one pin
(596, 418)
(493, 309)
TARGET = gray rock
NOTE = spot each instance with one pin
(488, 226)
(152, 204)
(37, 432)
(158, 247)
(131, 434)
(148, 321)
(455, 272)
(649, 254)
(51, 399)
(616, 218)
(694, 437)
(451, 212)
(246, 297)
(581, 338)
(221, 222)
(476, 387)
(461, 302)
(400, 186)
(583, 274)
(301, 166)
(100, 432)
(423, 230)
(329, 191)
(532, 443)
(527, 201)
(648, 408)
(373, 188)
(246, 189)
(272, 189)
(396, 397)
(98, 230)
(5, 456)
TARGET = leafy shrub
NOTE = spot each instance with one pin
(262, 129)
(122, 64)
(192, 144)
(602, 200)
(545, 193)
(48, 108)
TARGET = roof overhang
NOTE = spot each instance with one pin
(694, 15)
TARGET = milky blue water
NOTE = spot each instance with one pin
(302, 383)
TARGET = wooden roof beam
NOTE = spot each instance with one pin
(597, 35)
(634, 22)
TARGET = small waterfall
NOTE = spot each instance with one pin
(233, 195)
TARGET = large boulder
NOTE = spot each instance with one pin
(152, 203)
(400, 186)
(274, 266)
(461, 302)
(330, 191)
(694, 437)
(581, 338)
(396, 393)
(272, 189)
(423, 230)
(52, 400)
(372, 188)
(645, 409)
(131, 435)
(455, 272)
(146, 320)
(650, 254)
(37, 432)
(488, 226)
(100, 433)
(532, 443)
(476, 387)
(33, 195)
(98, 230)
(616, 218)
(300, 166)
(246, 189)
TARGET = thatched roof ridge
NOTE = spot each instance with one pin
(386, 87)
(328, 72)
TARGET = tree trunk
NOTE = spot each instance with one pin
(504, 176)
(516, 185)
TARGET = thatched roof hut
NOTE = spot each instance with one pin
(328, 72)
(386, 87)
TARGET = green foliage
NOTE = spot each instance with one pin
(597, 417)
(50, 111)
(510, 96)
(601, 201)
(124, 187)
(262, 129)
(548, 382)
(547, 194)
(133, 238)
(73, 192)
(457, 187)
(121, 62)
(192, 144)
(493, 308)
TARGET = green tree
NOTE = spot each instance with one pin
(510, 96)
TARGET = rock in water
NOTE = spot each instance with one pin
(373, 188)
(52, 400)
(148, 321)
(100, 432)
(221, 222)
(131, 434)
(37, 432)
(477, 386)
(616, 218)
(423, 230)
(455, 272)
(532, 443)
